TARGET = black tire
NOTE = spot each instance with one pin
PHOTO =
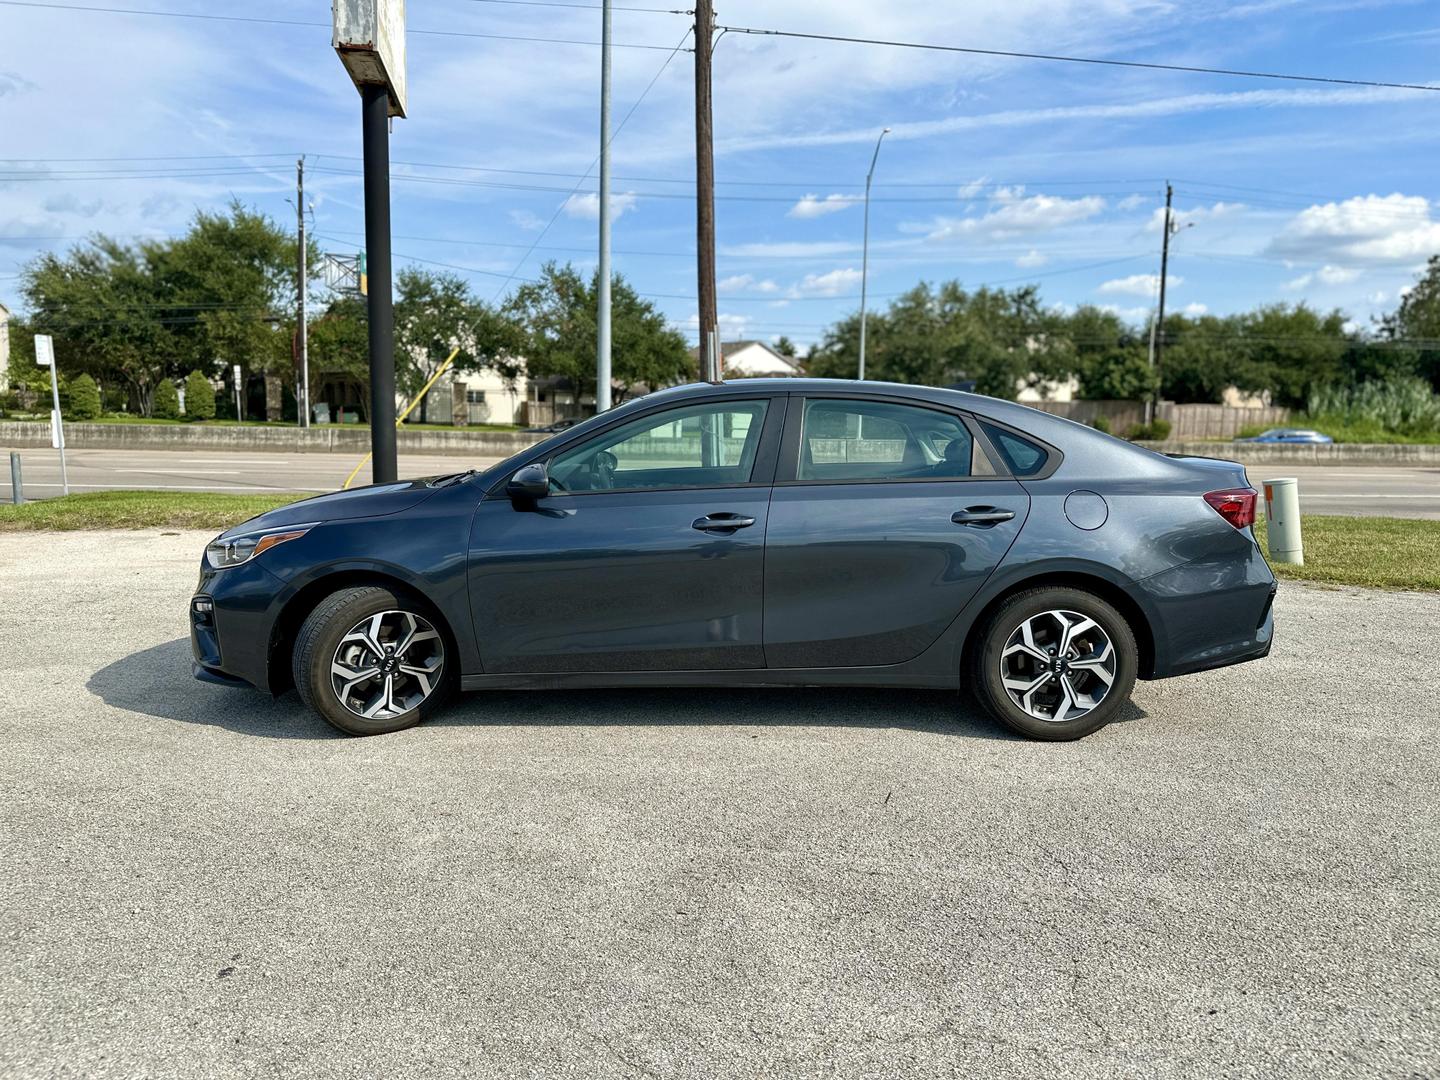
(321, 636)
(984, 671)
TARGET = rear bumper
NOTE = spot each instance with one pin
(1211, 614)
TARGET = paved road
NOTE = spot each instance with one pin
(1240, 880)
(1388, 492)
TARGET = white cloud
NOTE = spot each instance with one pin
(587, 207)
(1372, 230)
(1130, 314)
(1131, 202)
(524, 219)
(1193, 215)
(1146, 285)
(830, 284)
(746, 283)
(1326, 275)
(732, 326)
(1196, 310)
(1379, 296)
(973, 188)
(1179, 105)
(1031, 259)
(1016, 214)
(813, 206)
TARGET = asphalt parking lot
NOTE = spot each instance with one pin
(1239, 880)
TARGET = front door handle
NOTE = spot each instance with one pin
(981, 515)
(722, 523)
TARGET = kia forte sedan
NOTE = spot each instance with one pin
(759, 533)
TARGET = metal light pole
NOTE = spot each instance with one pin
(865, 249)
(369, 38)
(602, 343)
(302, 400)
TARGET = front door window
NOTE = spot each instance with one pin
(712, 445)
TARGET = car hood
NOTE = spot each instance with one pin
(376, 500)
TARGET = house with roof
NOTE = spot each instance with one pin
(754, 360)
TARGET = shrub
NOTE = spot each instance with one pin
(167, 401)
(1156, 431)
(1101, 424)
(1406, 405)
(199, 397)
(84, 398)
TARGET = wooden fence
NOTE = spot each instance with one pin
(1187, 422)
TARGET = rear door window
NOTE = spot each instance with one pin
(878, 440)
(1023, 457)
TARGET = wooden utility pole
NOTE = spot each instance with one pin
(1159, 334)
(710, 365)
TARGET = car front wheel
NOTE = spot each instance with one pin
(1054, 663)
(373, 660)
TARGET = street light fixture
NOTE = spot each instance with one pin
(865, 249)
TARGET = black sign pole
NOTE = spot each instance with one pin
(376, 106)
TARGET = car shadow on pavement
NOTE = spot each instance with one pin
(157, 682)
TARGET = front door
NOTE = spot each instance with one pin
(886, 519)
(648, 555)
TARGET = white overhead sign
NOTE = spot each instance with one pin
(369, 35)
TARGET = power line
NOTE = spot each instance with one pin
(618, 128)
(581, 7)
(1240, 73)
(299, 22)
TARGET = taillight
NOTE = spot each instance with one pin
(1235, 505)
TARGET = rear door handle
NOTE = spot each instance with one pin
(981, 515)
(722, 523)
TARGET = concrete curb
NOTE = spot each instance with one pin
(1303, 454)
(501, 444)
(475, 444)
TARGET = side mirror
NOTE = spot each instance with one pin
(529, 484)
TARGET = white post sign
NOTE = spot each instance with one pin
(45, 357)
(239, 411)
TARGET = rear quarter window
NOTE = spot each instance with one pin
(1023, 457)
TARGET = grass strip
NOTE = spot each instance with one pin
(138, 510)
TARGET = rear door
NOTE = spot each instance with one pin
(886, 518)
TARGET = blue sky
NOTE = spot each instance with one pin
(997, 171)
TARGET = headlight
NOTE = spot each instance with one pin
(226, 551)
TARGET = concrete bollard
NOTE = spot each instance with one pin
(17, 488)
(1282, 513)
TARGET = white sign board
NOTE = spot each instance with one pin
(237, 374)
(369, 35)
(44, 351)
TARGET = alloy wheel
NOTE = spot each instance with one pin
(387, 665)
(1058, 665)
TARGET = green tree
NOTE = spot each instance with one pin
(1111, 360)
(785, 347)
(340, 346)
(557, 316)
(167, 400)
(1002, 339)
(199, 396)
(103, 305)
(434, 315)
(84, 398)
(1413, 328)
(134, 316)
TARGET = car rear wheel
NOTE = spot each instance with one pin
(1054, 663)
(373, 660)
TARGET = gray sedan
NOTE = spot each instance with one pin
(763, 532)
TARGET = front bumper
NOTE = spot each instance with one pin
(230, 642)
